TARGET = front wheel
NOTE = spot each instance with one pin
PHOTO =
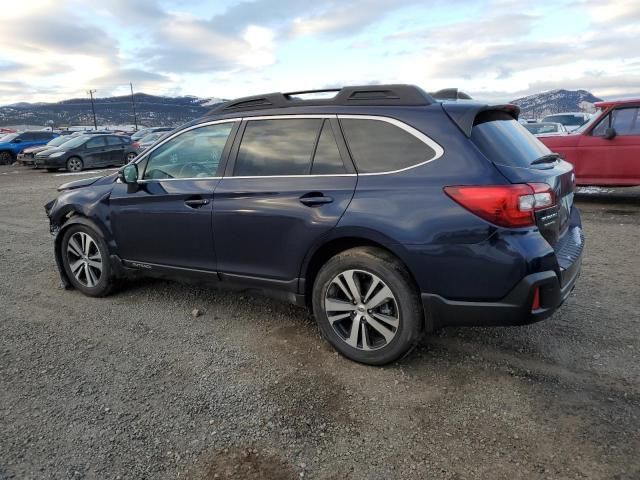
(85, 259)
(6, 158)
(367, 306)
(75, 164)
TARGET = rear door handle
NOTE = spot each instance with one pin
(315, 199)
(196, 202)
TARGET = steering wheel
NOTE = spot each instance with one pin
(196, 169)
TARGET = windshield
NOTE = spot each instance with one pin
(591, 121)
(56, 142)
(540, 128)
(505, 141)
(8, 138)
(75, 142)
(567, 119)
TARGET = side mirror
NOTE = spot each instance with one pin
(610, 133)
(129, 174)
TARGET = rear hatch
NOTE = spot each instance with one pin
(522, 158)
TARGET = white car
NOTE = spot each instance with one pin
(546, 128)
(570, 120)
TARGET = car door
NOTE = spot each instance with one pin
(94, 153)
(287, 184)
(166, 222)
(611, 161)
(115, 149)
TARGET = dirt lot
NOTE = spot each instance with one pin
(132, 386)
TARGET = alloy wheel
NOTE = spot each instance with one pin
(74, 164)
(84, 259)
(131, 156)
(362, 310)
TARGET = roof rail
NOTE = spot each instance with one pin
(450, 94)
(368, 95)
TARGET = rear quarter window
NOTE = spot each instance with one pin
(379, 146)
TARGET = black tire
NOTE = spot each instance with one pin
(6, 158)
(75, 164)
(105, 282)
(388, 269)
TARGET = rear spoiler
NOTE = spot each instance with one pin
(464, 115)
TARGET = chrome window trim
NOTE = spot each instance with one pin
(439, 151)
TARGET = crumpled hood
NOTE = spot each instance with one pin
(85, 182)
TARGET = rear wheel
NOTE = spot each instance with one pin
(6, 158)
(86, 260)
(131, 156)
(74, 164)
(367, 306)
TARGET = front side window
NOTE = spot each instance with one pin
(625, 121)
(277, 147)
(96, 142)
(193, 154)
(378, 146)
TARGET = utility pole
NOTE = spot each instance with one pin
(133, 103)
(93, 109)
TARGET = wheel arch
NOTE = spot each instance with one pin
(346, 240)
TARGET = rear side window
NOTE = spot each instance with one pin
(277, 147)
(113, 141)
(327, 158)
(504, 141)
(378, 146)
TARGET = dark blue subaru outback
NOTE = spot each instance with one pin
(390, 213)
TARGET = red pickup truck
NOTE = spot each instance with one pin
(605, 150)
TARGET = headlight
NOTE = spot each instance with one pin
(56, 154)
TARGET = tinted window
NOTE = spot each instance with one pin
(114, 141)
(192, 154)
(277, 147)
(95, 142)
(505, 141)
(327, 158)
(626, 121)
(28, 136)
(378, 146)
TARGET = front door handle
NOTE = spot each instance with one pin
(196, 202)
(315, 199)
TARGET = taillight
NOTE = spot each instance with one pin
(505, 205)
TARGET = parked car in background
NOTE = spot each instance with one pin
(606, 150)
(146, 131)
(148, 140)
(570, 120)
(545, 128)
(386, 211)
(14, 143)
(87, 151)
(28, 155)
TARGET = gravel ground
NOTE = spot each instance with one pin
(133, 386)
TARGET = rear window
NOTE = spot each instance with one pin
(378, 146)
(505, 141)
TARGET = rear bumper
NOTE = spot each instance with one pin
(513, 309)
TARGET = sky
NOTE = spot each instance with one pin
(497, 50)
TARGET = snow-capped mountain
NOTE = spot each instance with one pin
(555, 101)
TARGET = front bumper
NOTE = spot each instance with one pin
(48, 162)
